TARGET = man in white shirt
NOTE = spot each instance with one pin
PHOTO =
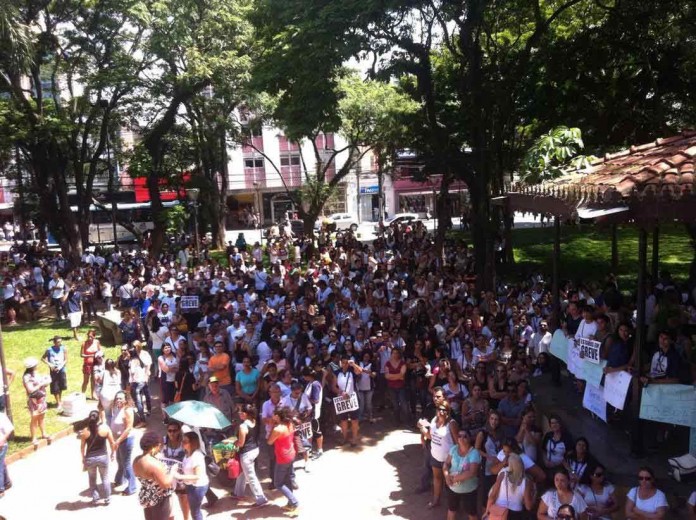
(170, 298)
(541, 340)
(56, 288)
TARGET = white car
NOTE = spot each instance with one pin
(401, 218)
(342, 220)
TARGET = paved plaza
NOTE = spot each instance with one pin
(372, 481)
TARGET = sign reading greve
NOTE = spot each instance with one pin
(589, 349)
(305, 430)
(189, 302)
(346, 404)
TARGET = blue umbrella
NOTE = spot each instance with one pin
(198, 414)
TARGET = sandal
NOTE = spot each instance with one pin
(432, 505)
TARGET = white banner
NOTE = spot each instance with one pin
(305, 430)
(574, 360)
(346, 404)
(593, 400)
(589, 349)
(616, 387)
(189, 302)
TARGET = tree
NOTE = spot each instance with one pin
(193, 45)
(370, 116)
(61, 106)
(552, 154)
(464, 63)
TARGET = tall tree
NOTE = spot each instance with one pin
(465, 64)
(194, 44)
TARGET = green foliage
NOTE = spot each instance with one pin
(552, 154)
(176, 219)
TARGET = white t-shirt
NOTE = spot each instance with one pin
(188, 466)
(56, 287)
(597, 500)
(6, 426)
(648, 505)
(585, 330)
(346, 381)
(441, 440)
(550, 498)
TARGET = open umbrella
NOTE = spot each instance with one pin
(198, 414)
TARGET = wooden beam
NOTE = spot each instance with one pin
(655, 253)
(636, 429)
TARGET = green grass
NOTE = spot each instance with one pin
(33, 339)
(586, 253)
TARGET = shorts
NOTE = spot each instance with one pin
(316, 429)
(59, 382)
(434, 463)
(162, 511)
(87, 368)
(466, 501)
(75, 319)
(353, 416)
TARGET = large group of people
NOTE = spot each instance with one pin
(271, 337)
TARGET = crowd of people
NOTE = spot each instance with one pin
(271, 339)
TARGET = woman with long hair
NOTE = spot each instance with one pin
(598, 493)
(460, 471)
(489, 442)
(513, 490)
(109, 385)
(281, 437)
(122, 420)
(554, 445)
(35, 387)
(194, 474)
(474, 409)
(442, 432)
(578, 461)
(169, 366)
(557, 496)
(94, 436)
(246, 442)
(88, 352)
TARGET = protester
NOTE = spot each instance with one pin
(281, 438)
(460, 471)
(247, 435)
(6, 429)
(95, 441)
(35, 386)
(598, 493)
(90, 348)
(560, 494)
(193, 473)
(646, 501)
(56, 357)
(513, 491)
(155, 480)
(122, 420)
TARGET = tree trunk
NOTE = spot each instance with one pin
(444, 218)
(218, 224)
(482, 238)
(508, 219)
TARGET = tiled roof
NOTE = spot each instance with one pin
(665, 164)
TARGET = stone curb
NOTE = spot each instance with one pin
(30, 450)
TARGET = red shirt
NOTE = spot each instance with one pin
(284, 448)
(395, 384)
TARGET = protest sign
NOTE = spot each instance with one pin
(591, 372)
(346, 404)
(189, 302)
(559, 346)
(305, 430)
(593, 400)
(672, 404)
(589, 349)
(616, 387)
(574, 361)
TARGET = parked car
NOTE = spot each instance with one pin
(399, 218)
(342, 221)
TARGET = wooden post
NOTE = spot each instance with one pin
(655, 253)
(636, 431)
(614, 250)
(555, 281)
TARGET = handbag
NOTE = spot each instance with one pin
(234, 469)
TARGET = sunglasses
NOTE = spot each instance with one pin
(647, 479)
(564, 517)
(442, 410)
(173, 430)
(598, 475)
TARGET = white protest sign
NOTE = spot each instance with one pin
(593, 400)
(616, 387)
(574, 359)
(346, 404)
(589, 349)
(671, 404)
(189, 302)
(305, 430)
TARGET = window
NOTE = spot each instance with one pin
(290, 160)
(253, 163)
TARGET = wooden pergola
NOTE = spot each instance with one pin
(644, 185)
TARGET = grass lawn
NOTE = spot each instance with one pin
(586, 252)
(33, 339)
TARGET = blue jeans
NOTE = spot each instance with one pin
(282, 477)
(400, 402)
(99, 463)
(195, 498)
(365, 401)
(125, 465)
(138, 392)
(3, 469)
